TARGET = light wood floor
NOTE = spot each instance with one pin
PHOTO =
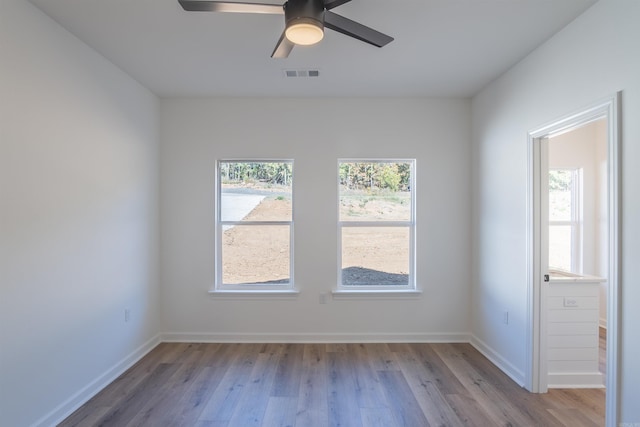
(328, 385)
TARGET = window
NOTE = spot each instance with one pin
(376, 224)
(254, 226)
(565, 220)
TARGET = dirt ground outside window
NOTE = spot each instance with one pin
(260, 254)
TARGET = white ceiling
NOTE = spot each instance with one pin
(442, 48)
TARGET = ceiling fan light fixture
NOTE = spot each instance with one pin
(304, 21)
(304, 32)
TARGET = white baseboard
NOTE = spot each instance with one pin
(314, 337)
(94, 387)
(576, 380)
(504, 365)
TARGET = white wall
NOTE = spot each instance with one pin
(595, 56)
(78, 232)
(315, 133)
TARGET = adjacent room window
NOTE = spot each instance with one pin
(376, 224)
(254, 225)
(565, 220)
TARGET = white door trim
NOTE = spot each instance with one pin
(536, 375)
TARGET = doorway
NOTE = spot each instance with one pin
(579, 249)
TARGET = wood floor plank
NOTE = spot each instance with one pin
(191, 404)
(403, 404)
(174, 352)
(342, 401)
(602, 352)
(368, 388)
(322, 385)
(468, 410)
(220, 355)
(160, 410)
(88, 418)
(120, 389)
(400, 347)
(281, 412)
(225, 397)
(582, 399)
(433, 404)
(496, 405)
(313, 406)
(336, 348)
(527, 403)
(592, 398)
(210, 424)
(436, 370)
(381, 357)
(120, 415)
(215, 360)
(572, 418)
(254, 399)
(287, 380)
(377, 417)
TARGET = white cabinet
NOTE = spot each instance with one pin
(573, 331)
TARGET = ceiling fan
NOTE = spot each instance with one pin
(304, 21)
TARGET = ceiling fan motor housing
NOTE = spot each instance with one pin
(304, 11)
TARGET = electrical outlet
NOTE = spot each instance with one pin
(127, 314)
(323, 298)
(505, 317)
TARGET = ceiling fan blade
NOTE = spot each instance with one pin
(353, 29)
(283, 48)
(330, 4)
(227, 6)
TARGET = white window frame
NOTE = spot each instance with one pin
(576, 218)
(254, 288)
(410, 224)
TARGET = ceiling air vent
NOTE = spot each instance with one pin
(302, 73)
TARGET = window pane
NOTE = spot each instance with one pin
(254, 254)
(375, 191)
(560, 195)
(375, 256)
(255, 191)
(560, 247)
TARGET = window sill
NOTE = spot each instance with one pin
(254, 293)
(376, 294)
